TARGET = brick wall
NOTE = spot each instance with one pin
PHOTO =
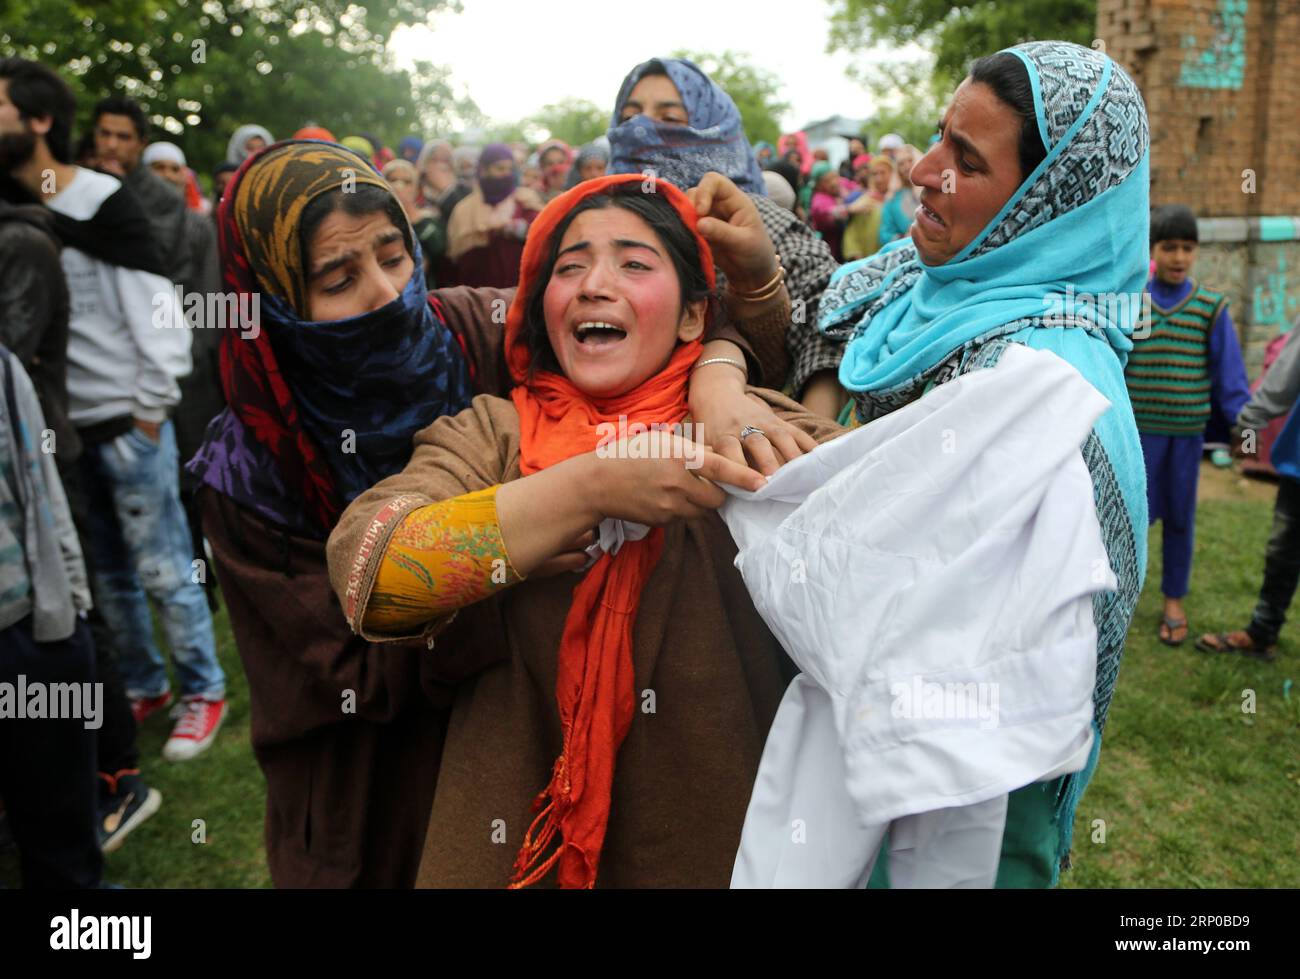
(1221, 81)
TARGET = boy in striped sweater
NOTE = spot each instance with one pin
(1188, 360)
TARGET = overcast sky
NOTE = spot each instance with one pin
(515, 56)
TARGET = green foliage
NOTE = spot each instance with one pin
(755, 91)
(958, 31)
(908, 102)
(576, 121)
(201, 68)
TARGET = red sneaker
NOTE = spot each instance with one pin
(197, 728)
(144, 707)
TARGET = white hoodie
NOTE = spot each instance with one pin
(119, 363)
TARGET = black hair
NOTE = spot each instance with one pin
(36, 91)
(85, 148)
(365, 199)
(1172, 221)
(655, 210)
(225, 166)
(120, 105)
(1007, 75)
(788, 170)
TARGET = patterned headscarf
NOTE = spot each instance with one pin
(713, 138)
(1075, 227)
(1077, 219)
(319, 410)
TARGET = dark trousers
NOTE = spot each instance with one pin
(117, 749)
(47, 765)
(1281, 566)
(1173, 470)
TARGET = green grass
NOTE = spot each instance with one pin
(223, 787)
(1193, 791)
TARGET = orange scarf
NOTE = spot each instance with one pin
(594, 688)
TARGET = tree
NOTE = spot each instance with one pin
(576, 121)
(755, 91)
(958, 31)
(908, 101)
(200, 68)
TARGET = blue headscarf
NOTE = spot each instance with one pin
(712, 139)
(1079, 219)
(1075, 228)
(409, 148)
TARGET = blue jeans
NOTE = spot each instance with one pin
(140, 543)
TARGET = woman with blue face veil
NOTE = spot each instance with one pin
(1031, 232)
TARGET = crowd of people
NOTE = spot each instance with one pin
(487, 644)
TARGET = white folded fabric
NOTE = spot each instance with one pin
(610, 537)
(932, 575)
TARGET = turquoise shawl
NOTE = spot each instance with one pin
(1073, 231)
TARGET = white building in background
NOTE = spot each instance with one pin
(832, 135)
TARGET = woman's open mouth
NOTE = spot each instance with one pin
(928, 215)
(598, 333)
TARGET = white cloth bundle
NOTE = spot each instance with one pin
(932, 575)
(611, 535)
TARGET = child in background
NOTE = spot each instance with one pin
(1189, 359)
(827, 211)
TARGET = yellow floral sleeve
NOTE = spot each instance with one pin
(441, 557)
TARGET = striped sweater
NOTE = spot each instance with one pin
(1168, 371)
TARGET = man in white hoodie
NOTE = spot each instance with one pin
(127, 348)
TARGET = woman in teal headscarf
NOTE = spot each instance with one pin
(1043, 243)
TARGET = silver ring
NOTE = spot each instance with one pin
(749, 430)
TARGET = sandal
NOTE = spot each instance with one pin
(1222, 643)
(1171, 625)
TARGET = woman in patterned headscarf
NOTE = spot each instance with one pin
(334, 358)
(1049, 142)
(672, 119)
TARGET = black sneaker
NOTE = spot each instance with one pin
(124, 803)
